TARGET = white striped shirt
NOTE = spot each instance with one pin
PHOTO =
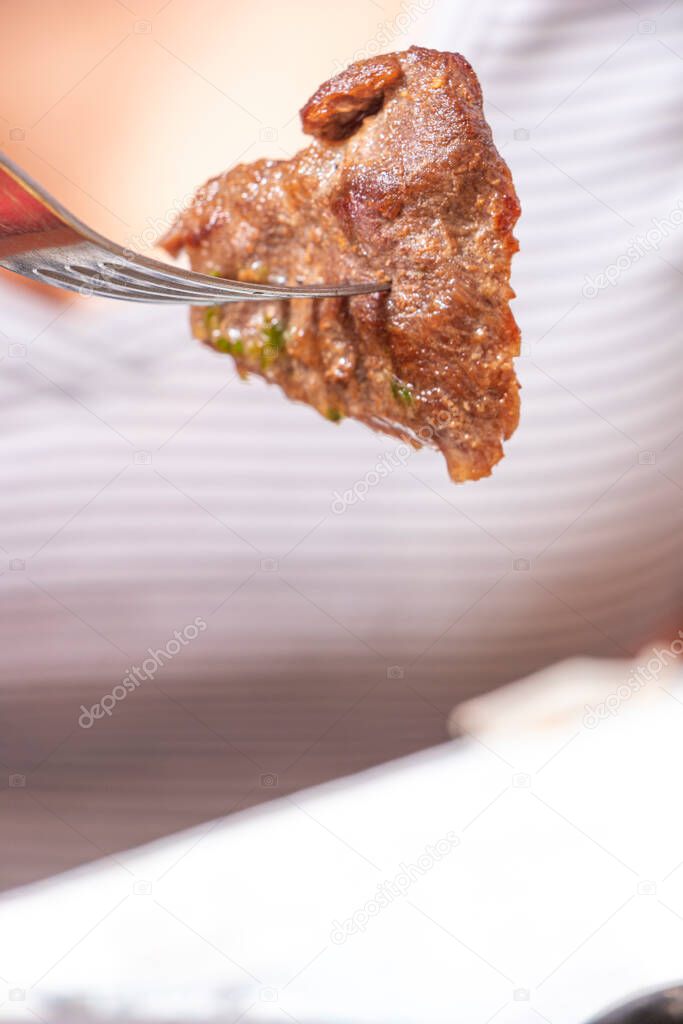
(351, 636)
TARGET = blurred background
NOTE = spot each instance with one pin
(145, 488)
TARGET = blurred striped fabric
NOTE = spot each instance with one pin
(144, 485)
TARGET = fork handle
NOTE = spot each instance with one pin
(25, 221)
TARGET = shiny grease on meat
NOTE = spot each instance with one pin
(402, 182)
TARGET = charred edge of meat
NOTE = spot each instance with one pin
(339, 106)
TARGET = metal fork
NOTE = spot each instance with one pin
(40, 239)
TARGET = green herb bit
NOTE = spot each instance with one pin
(274, 342)
(335, 415)
(212, 318)
(232, 345)
(401, 391)
(274, 334)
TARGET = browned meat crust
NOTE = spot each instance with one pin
(402, 181)
(340, 105)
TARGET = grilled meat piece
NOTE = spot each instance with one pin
(401, 182)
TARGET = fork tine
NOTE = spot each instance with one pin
(123, 279)
(129, 274)
(90, 281)
(96, 286)
(198, 289)
(228, 290)
(82, 278)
